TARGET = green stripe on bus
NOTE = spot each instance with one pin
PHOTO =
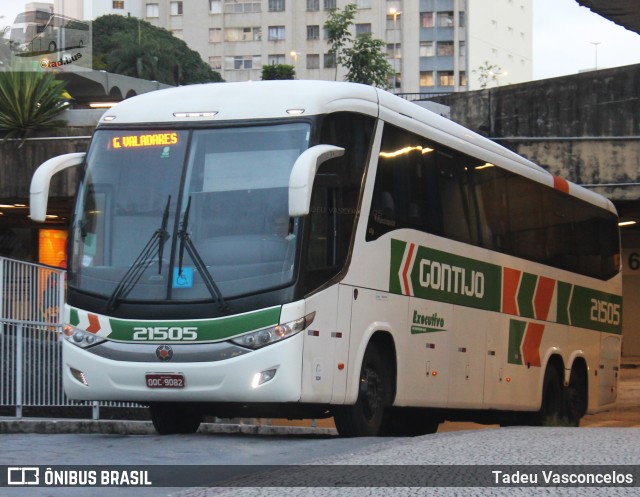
(516, 335)
(208, 330)
(74, 317)
(525, 295)
(397, 253)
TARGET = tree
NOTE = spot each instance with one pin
(278, 71)
(487, 73)
(133, 47)
(367, 63)
(337, 27)
(364, 58)
(29, 101)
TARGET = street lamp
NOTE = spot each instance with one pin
(395, 13)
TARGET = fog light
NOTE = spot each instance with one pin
(80, 376)
(263, 377)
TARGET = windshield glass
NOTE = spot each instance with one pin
(232, 185)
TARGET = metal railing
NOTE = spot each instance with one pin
(31, 307)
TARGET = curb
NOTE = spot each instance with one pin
(109, 427)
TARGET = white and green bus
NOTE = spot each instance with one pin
(302, 249)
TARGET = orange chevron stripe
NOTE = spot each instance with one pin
(543, 297)
(94, 324)
(531, 344)
(511, 280)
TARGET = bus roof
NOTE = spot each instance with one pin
(214, 102)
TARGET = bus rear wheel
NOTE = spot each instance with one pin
(171, 418)
(364, 418)
(552, 411)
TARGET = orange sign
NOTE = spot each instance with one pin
(52, 248)
(151, 140)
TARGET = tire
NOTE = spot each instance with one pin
(365, 417)
(171, 419)
(552, 411)
(576, 397)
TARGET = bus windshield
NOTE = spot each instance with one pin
(159, 209)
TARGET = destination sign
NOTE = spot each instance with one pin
(147, 140)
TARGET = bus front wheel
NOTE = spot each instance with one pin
(170, 419)
(364, 418)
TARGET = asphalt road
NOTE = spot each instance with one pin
(451, 457)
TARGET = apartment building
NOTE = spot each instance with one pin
(434, 46)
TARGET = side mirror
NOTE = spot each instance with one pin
(302, 176)
(39, 192)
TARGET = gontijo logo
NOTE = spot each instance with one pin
(440, 276)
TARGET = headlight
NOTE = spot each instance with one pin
(267, 336)
(79, 337)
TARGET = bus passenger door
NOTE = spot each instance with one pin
(467, 369)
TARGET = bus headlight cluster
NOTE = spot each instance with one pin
(267, 336)
(79, 337)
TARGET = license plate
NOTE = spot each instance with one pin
(165, 380)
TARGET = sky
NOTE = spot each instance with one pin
(563, 37)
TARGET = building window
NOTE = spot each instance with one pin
(363, 29)
(238, 62)
(276, 59)
(444, 49)
(215, 62)
(241, 6)
(445, 19)
(446, 78)
(153, 10)
(313, 61)
(215, 6)
(426, 19)
(462, 19)
(175, 8)
(329, 4)
(329, 61)
(426, 78)
(215, 35)
(426, 49)
(276, 5)
(363, 4)
(394, 50)
(243, 34)
(276, 33)
(463, 78)
(313, 5)
(118, 4)
(394, 23)
(313, 32)
(462, 49)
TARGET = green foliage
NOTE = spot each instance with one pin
(487, 73)
(337, 27)
(364, 59)
(130, 46)
(29, 101)
(278, 71)
(367, 63)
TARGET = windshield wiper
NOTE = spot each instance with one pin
(201, 267)
(154, 248)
